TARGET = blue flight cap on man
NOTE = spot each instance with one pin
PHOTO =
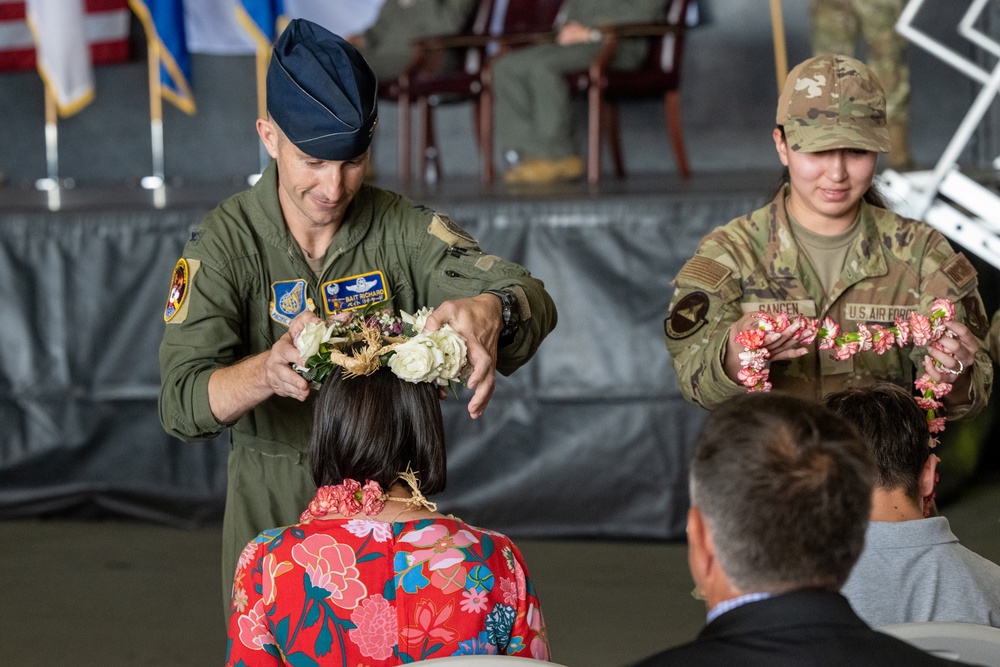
(321, 92)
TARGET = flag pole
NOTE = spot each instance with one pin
(155, 182)
(263, 59)
(51, 183)
(780, 50)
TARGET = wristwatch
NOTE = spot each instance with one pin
(510, 312)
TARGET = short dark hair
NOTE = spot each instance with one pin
(373, 427)
(894, 428)
(785, 488)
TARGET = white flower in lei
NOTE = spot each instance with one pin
(312, 337)
(452, 345)
(417, 360)
(417, 319)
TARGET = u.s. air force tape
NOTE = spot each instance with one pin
(687, 316)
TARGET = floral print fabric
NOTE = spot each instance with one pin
(351, 592)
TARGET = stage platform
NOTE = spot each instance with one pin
(590, 439)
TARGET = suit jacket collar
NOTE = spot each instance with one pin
(807, 608)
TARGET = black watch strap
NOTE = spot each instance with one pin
(510, 312)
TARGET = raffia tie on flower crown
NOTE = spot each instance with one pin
(921, 330)
(439, 357)
(350, 498)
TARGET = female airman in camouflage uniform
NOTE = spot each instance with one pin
(824, 247)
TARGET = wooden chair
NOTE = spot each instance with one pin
(523, 22)
(659, 75)
(425, 76)
(526, 22)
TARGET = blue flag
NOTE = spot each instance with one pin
(260, 18)
(163, 21)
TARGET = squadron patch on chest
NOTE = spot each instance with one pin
(180, 281)
(687, 316)
(289, 299)
(354, 292)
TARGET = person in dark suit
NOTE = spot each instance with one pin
(780, 497)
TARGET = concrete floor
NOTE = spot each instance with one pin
(126, 593)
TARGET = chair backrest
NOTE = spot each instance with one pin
(529, 15)
(966, 642)
(480, 24)
(667, 52)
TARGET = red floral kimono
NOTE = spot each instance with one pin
(352, 592)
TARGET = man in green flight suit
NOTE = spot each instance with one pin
(311, 236)
(386, 45)
(533, 119)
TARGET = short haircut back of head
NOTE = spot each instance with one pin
(893, 426)
(785, 487)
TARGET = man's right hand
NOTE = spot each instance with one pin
(780, 345)
(235, 390)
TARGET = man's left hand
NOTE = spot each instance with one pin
(478, 319)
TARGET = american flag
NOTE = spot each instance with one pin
(106, 27)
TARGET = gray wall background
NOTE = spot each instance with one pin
(728, 98)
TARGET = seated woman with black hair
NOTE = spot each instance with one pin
(373, 574)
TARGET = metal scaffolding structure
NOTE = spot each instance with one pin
(960, 207)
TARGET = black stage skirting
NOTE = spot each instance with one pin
(591, 438)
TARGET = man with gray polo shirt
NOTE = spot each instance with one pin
(912, 568)
(311, 236)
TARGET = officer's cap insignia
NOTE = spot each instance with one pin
(687, 316)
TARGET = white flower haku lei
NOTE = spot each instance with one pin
(439, 357)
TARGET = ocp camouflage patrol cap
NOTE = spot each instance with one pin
(833, 101)
(321, 92)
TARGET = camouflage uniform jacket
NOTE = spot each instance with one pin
(247, 276)
(752, 264)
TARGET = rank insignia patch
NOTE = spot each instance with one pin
(289, 299)
(687, 316)
(354, 292)
(180, 281)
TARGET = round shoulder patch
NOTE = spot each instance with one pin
(178, 289)
(687, 316)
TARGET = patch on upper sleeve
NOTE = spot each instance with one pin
(687, 316)
(176, 309)
(975, 317)
(960, 270)
(704, 271)
(444, 228)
